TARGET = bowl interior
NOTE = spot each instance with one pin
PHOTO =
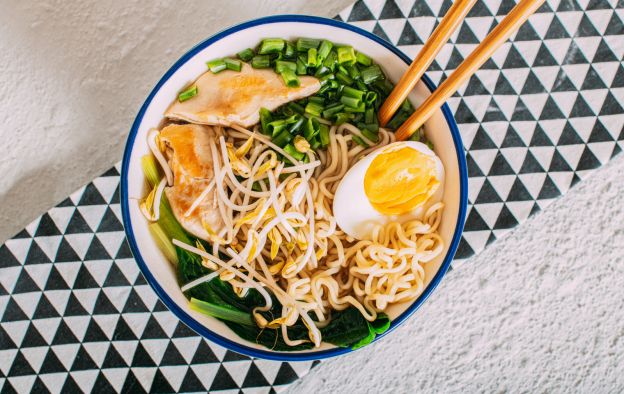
(159, 271)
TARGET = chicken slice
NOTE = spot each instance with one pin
(231, 97)
(187, 148)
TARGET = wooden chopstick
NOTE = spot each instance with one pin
(518, 15)
(453, 18)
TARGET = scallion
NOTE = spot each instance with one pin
(188, 93)
(290, 78)
(351, 92)
(332, 110)
(282, 139)
(344, 78)
(363, 59)
(311, 128)
(292, 151)
(324, 135)
(346, 55)
(311, 61)
(303, 44)
(350, 101)
(359, 141)
(261, 61)
(324, 50)
(233, 64)
(371, 74)
(265, 119)
(342, 117)
(301, 67)
(289, 51)
(271, 45)
(313, 108)
(281, 65)
(216, 65)
(246, 54)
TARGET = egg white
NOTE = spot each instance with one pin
(354, 213)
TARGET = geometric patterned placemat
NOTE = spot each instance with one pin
(76, 314)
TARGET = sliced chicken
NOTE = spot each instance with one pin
(188, 152)
(231, 97)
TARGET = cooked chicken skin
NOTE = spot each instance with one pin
(231, 97)
(190, 159)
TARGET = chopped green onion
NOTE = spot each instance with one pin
(297, 125)
(233, 64)
(330, 60)
(261, 61)
(311, 62)
(332, 110)
(222, 312)
(344, 78)
(216, 65)
(324, 135)
(303, 44)
(322, 70)
(353, 72)
(324, 50)
(342, 117)
(281, 65)
(360, 141)
(346, 55)
(363, 59)
(314, 144)
(369, 116)
(246, 54)
(311, 128)
(326, 78)
(359, 108)
(351, 92)
(370, 98)
(265, 119)
(283, 138)
(290, 78)
(313, 108)
(271, 45)
(350, 101)
(371, 136)
(188, 93)
(291, 150)
(296, 107)
(317, 99)
(301, 67)
(371, 74)
(289, 50)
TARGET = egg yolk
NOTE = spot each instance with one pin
(401, 180)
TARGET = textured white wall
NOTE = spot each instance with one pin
(73, 75)
(541, 310)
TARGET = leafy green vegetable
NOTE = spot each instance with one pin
(222, 312)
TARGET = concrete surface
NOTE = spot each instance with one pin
(540, 311)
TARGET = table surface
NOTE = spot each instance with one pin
(540, 310)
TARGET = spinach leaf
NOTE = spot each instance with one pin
(367, 339)
(215, 291)
(349, 328)
(346, 328)
(381, 324)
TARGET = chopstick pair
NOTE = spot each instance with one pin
(453, 18)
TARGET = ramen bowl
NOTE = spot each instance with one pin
(441, 130)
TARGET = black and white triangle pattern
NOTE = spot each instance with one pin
(76, 315)
(538, 117)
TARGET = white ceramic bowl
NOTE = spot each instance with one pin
(441, 130)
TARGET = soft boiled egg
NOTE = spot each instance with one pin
(395, 183)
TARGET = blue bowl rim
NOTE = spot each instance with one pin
(189, 320)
